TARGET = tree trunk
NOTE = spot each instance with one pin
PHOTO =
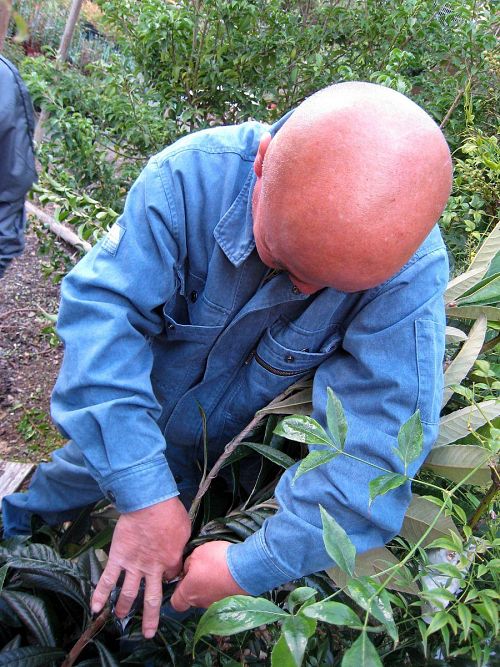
(5, 11)
(62, 55)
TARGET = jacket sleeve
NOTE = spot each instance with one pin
(111, 306)
(389, 365)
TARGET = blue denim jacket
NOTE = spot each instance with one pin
(171, 310)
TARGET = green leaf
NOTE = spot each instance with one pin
(31, 656)
(371, 563)
(58, 583)
(337, 544)
(456, 461)
(465, 359)
(419, 516)
(313, 460)
(488, 250)
(33, 612)
(296, 631)
(303, 429)
(410, 440)
(3, 575)
(385, 483)
(361, 654)
(454, 335)
(281, 655)
(363, 591)
(270, 453)
(473, 312)
(460, 423)
(237, 614)
(439, 620)
(335, 418)
(334, 613)
(299, 596)
(484, 293)
(107, 659)
(489, 611)
(494, 266)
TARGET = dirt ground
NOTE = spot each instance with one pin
(30, 356)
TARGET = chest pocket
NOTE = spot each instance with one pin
(180, 356)
(283, 354)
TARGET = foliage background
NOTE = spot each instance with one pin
(139, 76)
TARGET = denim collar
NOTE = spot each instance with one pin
(237, 240)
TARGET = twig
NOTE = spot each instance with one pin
(228, 450)
(92, 630)
(483, 505)
(490, 344)
(454, 105)
(4, 316)
(56, 228)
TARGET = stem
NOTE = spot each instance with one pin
(490, 344)
(86, 637)
(454, 105)
(483, 505)
(228, 450)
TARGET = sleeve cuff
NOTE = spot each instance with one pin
(252, 567)
(143, 485)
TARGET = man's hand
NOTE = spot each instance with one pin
(206, 578)
(147, 544)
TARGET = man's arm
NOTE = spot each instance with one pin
(104, 400)
(390, 365)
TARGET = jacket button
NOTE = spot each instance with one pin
(289, 358)
(295, 289)
(171, 326)
(111, 496)
(193, 296)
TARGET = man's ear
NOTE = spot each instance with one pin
(259, 159)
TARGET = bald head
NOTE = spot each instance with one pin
(349, 187)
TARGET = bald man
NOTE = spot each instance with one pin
(246, 258)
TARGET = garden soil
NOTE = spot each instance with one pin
(29, 358)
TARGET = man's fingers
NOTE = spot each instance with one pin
(152, 602)
(104, 586)
(128, 594)
(178, 601)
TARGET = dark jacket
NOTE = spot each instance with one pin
(17, 159)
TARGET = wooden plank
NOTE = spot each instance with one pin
(12, 475)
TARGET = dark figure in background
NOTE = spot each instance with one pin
(17, 160)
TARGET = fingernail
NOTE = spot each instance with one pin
(149, 634)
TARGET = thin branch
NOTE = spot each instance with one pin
(484, 504)
(86, 637)
(454, 105)
(228, 450)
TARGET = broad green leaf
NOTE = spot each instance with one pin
(107, 659)
(454, 335)
(335, 418)
(33, 612)
(337, 544)
(489, 611)
(420, 515)
(370, 564)
(455, 461)
(460, 423)
(487, 251)
(461, 284)
(297, 630)
(298, 404)
(410, 440)
(31, 656)
(237, 614)
(363, 591)
(334, 613)
(270, 453)
(313, 460)
(42, 557)
(385, 483)
(494, 266)
(485, 293)
(473, 312)
(281, 655)
(303, 429)
(300, 595)
(58, 582)
(465, 359)
(361, 654)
